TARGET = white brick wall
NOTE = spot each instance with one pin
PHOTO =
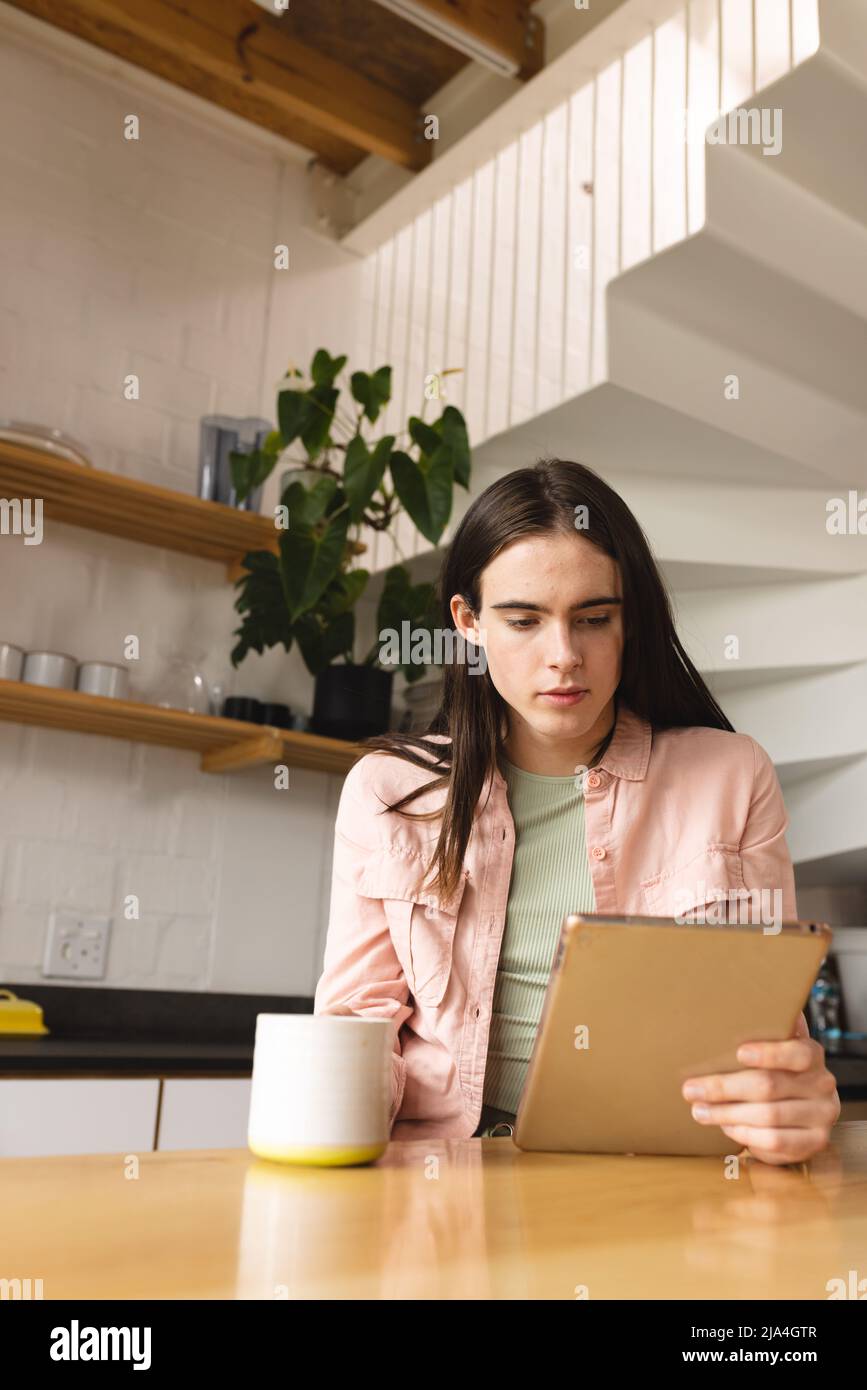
(152, 257)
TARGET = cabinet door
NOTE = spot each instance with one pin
(207, 1113)
(79, 1116)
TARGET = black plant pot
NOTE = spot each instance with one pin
(352, 702)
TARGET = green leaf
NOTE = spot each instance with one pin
(308, 505)
(401, 602)
(308, 635)
(451, 433)
(393, 599)
(343, 593)
(296, 499)
(261, 602)
(257, 562)
(321, 401)
(242, 468)
(249, 469)
(425, 490)
(372, 391)
(292, 412)
(309, 562)
(318, 497)
(339, 637)
(324, 368)
(363, 471)
(297, 553)
(337, 501)
(453, 429)
(263, 466)
(400, 599)
(319, 643)
(355, 583)
(425, 436)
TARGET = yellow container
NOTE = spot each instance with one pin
(20, 1015)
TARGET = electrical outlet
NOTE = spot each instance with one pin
(76, 947)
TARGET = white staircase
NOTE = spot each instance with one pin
(732, 493)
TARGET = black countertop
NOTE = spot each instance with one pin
(147, 1032)
(848, 1063)
(48, 1056)
(139, 1032)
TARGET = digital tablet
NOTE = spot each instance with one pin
(634, 1006)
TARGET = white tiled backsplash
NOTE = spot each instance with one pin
(153, 257)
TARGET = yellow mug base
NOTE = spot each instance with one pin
(322, 1156)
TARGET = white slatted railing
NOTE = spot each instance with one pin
(505, 276)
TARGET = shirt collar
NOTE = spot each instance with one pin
(628, 753)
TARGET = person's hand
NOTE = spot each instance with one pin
(782, 1106)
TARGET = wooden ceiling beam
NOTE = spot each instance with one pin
(504, 27)
(265, 76)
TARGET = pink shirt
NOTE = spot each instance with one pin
(673, 820)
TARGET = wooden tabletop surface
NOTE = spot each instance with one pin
(470, 1218)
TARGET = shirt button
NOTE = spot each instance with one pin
(593, 779)
(598, 852)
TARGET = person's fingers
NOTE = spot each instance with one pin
(778, 1145)
(759, 1084)
(783, 1114)
(792, 1054)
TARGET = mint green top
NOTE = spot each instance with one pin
(550, 877)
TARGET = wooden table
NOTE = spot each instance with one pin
(471, 1218)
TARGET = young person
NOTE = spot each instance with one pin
(578, 762)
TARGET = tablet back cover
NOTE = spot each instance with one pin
(634, 1006)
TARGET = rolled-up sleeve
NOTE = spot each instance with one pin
(361, 973)
(764, 853)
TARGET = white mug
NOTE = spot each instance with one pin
(321, 1091)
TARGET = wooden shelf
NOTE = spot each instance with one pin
(225, 745)
(138, 511)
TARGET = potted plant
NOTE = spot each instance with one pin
(306, 593)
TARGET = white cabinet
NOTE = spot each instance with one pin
(206, 1113)
(87, 1116)
(114, 1115)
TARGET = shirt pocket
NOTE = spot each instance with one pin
(422, 929)
(709, 877)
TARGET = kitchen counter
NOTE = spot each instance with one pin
(848, 1064)
(143, 1032)
(140, 1032)
(122, 1054)
(108, 1056)
(447, 1219)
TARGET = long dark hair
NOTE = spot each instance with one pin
(658, 681)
